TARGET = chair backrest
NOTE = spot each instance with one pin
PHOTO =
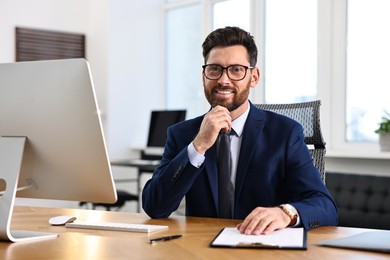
(308, 115)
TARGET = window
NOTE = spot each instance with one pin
(334, 50)
(290, 48)
(367, 68)
(183, 57)
(184, 37)
(290, 51)
(232, 13)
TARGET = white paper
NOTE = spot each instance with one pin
(288, 237)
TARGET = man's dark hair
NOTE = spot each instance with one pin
(230, 36)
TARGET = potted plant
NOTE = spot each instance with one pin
(384, 132)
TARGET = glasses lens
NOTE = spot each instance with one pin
(236, 72)
(213, 71)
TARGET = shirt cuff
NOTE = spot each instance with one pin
(298, 218)
(298, 222)
(196, 159)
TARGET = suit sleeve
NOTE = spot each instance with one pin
(170, 182)
(310, 196)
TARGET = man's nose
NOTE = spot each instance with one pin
(224, 79)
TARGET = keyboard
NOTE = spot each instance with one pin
(144, 228)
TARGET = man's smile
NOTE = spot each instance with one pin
(224, 92)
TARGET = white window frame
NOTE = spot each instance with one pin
(331, 87)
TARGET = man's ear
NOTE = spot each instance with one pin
(255, 76)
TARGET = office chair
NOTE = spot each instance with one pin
(308, 115)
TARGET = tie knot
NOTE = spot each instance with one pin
(230, 132)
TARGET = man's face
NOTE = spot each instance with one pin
(224, 91)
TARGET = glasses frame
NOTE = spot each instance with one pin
(227, 71)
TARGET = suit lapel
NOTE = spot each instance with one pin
(253, 127)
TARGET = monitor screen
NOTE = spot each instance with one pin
(53, 105)
(159, 122)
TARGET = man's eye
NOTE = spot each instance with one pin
(214, 68)
(237, 69)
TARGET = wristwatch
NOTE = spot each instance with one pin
(291, 212)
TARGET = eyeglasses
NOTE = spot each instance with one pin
(234, 72)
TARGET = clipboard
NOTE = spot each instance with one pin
(288, 238)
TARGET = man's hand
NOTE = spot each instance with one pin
(213, 122)
(264, 221)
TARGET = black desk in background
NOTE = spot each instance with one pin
(146, 164)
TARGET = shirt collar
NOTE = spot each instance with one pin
(239, 122)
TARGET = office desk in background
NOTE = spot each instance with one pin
(197, 235)
(141, 166)
(147, 163)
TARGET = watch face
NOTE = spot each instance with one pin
(290, 211)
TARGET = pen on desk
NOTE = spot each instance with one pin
(163, 238)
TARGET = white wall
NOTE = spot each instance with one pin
(135, 72)
(124, 48)
(69, 16)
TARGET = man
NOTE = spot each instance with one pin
(274, 181)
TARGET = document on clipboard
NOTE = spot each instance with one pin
(288, 238)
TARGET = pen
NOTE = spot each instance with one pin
(163, 238)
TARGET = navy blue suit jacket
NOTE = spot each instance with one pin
(274, 167)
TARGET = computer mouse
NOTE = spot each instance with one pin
(61, 220)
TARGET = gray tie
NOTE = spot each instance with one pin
(225, 186)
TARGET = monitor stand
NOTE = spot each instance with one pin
(11, 156)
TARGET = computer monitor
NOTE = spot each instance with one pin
(159, 122)
(51, 139)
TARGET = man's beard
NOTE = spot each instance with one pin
(238, 100)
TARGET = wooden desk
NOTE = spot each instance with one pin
(197, 234)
